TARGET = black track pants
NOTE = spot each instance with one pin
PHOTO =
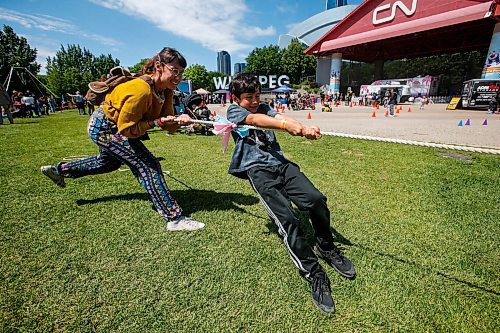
(277, 187)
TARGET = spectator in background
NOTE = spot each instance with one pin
(5, 102)
(423, 101)
(80, 103)
(29, 103)
(90, 106)
(493, 106)
(393, 100)
(52, 104)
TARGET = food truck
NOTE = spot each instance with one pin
(477, 93)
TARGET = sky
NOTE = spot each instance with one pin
(131, 30)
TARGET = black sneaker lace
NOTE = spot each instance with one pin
(337, 251)
(320, 283)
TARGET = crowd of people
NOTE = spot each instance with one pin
(28, 105)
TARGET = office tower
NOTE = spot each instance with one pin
(224, 62)
(239, 67)
(335, 3)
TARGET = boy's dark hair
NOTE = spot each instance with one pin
(244, 83)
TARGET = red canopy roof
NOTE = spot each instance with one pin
(390, 29)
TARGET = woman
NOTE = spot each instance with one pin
(117, 124)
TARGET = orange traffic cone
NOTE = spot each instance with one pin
(397, 111)
(387, 113)
(350, 105)
(378, 106)
(309, 115)
(409, 109)
(374, 115)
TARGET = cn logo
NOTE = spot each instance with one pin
(407, 11)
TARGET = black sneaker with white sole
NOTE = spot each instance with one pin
(321, 293)
(51, 172)
(336, 258)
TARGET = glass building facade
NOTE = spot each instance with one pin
(335, 3)
(239, 67)
(224, 62)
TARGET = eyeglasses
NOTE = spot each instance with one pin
(175, 71)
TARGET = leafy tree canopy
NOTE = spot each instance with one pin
(198, 76)
(296, 64)
(265, 61)
(138, 67)
(72, 68)
(291, 61)
(16, 52)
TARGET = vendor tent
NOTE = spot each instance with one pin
(283, 89)
(202, 91)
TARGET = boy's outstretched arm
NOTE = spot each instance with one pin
(291, 125)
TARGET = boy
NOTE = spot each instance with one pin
(278, 182)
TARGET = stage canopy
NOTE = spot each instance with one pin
(388, 30)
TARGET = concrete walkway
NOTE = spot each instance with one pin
(432, 124)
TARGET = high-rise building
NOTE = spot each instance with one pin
(224, 62)
(335, 3)
(239, 67)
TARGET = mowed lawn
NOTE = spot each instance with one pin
(422, 230)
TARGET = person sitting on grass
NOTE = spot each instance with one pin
(117, 126)
(278, 182)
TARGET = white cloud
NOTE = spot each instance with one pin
(51, 23)
(215, 24)
(287, 7)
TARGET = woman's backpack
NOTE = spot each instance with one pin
(117, 75)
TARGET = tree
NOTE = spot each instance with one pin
(138, 67)
(265, 61)
(198, 76)
(72, 68)
(15, 51)
(296, 64)
(453, 68)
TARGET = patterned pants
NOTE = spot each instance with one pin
(115, 150)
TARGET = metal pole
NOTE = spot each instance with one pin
(40, 82)
(8, 80)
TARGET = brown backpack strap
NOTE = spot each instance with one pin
(147, 79)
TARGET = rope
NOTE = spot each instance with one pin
(416, 143)
(400, 141)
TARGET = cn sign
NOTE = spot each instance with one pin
(381, 13)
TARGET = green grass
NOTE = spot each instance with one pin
(422, 230)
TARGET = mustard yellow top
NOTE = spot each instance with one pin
(133, 105)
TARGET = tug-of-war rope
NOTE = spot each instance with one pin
(223, 127)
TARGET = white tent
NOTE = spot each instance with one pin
(202, 91)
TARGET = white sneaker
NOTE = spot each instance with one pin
(184, 223)
(51, 172)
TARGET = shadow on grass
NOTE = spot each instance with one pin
(339, 238)
(413, 264)
(21, 123)
(191, 200)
